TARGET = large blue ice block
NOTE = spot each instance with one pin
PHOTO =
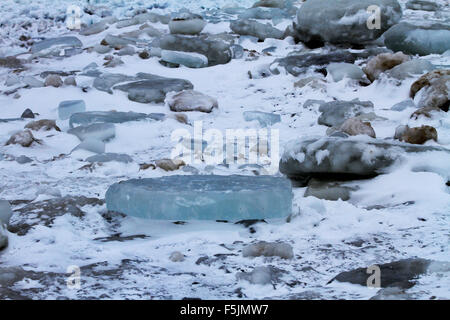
(202, 197)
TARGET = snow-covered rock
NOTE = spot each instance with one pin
(43, 124)
(418, 135)
(190, 100)
(382, 62)
(269, 249)
(410, 68)
(24, 138)
(346, 156)
(265, 119)
(432, 90)
(355, 126)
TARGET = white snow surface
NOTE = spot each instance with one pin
(412, 219)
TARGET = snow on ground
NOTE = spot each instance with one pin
(413, 222)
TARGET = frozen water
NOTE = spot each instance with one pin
(422, 5)
(32, 82)
(207, 197)
(67, 108)
(335, 113)
(92, 145)
(341, 70)
(421, 40)
(256, 29)
(403, 105)
(265, 119)
(188, 59)
(187, 23)
(217, 51)
(3, 237)
(54, 46)
(105, 81)
(344, 21)
(153, 88)
(86, 118)
(99, 131)
(109, 157)
(410, 68)
(5, 212)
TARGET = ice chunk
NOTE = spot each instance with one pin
(187, 23)
(118, 41)
(153, 88)
(95, 28)
(5, 212)
(404, 105)
(410, 68)
(32, 82)
(54, 46)
(3, 237)
(217, 51)
(265, 119)
(204, 197)
(256, 29)
(109, 157)
(67, 108)
(422, 5)
(188, 59)
(343, 70)
(269, 249)
(92, 145)
(105, 81)
(344, 21)
(421, 40)
(86, 118)
(99, 131)
(335, 113)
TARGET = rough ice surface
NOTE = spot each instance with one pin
(265, 119)
(5, 212)
(98, 131)
(255, 29)
(422, 5)
(208, 197)
(109, 157)
(68, 108)
(341, 70)
(188, 59)
(87, 118)
(344, 21)
(421, 40)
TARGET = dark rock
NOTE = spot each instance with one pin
(27, 114)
